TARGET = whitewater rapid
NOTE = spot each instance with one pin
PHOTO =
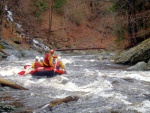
(101, 85)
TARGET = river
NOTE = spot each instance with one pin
(101, 85)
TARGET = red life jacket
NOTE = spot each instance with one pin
(37, 64)
(46, 59)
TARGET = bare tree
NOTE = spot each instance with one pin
(137, 13)
(50, 19)
(1, 16)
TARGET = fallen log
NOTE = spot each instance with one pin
(13, 85)
(63, 100)
(71, 49)
(48, 107)
(4, 52)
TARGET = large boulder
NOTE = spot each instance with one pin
(136, 54)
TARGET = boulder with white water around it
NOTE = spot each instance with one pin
(140, 66)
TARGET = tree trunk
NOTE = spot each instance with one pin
(4, 52)
(1, 17)
(71, 49)
(63, 100)
(129, 22)
(134, 23)
(50, 20)
(13, 85)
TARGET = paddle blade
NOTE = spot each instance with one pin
(21, 73)
(27, 66)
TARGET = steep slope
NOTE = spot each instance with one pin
(75, 28)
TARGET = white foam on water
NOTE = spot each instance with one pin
(138, 75)
(142, 107)
(79, 65)
(99, 87)
(115, 97)
(92, 88)
(67, 61)
(9, 71)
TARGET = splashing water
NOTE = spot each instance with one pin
(101, 85)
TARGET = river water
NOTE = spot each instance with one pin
(101, 85)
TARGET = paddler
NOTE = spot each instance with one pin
(48, 59)
(58, 63)
(37, 63)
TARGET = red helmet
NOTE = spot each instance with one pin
(51, 51)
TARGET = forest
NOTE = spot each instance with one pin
(127, 21)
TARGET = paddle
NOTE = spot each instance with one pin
(55, 64)
(21, 73)
(26, 71)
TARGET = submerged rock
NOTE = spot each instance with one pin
(140, 66)
(148, 65)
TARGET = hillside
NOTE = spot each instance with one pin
(73, 24)
(76, 29)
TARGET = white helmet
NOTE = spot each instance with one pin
(37, 58)
(59, 57)
(41, 59)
